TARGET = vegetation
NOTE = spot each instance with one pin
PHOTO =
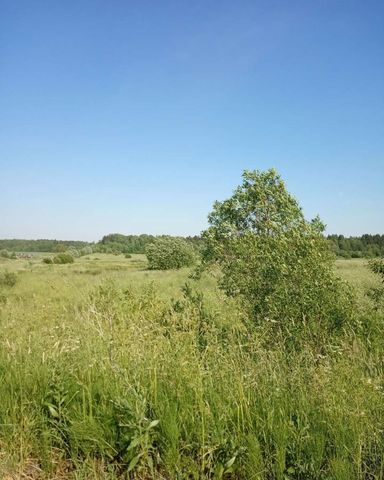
(278, 263)
(62, 258)
(377, 293)
(124, 370)
(377, 266)
(117, 243)
(264, 366)
(366, 246)
(87, 250)
(8, 279)
(169, 253)
(7, 254)
(40, 245)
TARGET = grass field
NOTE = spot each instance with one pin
(110, 371)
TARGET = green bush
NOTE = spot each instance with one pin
(128, 255)
(169, 253)
(377, 293)
(86, 251)
(62, 258)
(5, 254)
(377, 266)
(73, 252)
(48, 260)
(8, 279)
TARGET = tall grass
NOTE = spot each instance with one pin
(127, 383)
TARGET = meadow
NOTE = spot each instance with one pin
(109, 370)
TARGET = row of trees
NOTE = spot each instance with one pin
(41, 245)
(367, 246)
(118, 243)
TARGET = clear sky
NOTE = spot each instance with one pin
(134, 116)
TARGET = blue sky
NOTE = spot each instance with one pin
(134, 116)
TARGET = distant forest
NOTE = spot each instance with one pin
(366, 246)
(116, 242)
(41, 245)
(112, 243)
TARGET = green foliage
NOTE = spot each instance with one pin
(377, 266)
(41, 245)
(73, 252)
(60, 248)
(48, 260)
(367, 246)
(261, 205)
(86, 250)
(62, 258)
(8, 279)
(169, 253)
(7, 254)
(377, 293)
(276, 262)
(117, 243)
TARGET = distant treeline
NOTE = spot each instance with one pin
(118, 243)
(41, 245)
(367, 246)
(113, 243)
(346, 247)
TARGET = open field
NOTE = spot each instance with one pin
(109, 371)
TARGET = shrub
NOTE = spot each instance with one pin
(377, 293)
(128, 255)
(169, 253)
(377, 266)
(7, 254)
(73, 252)
(62, 258)
(86, 250)
(48, 260)
(8, 279)
(60, 248)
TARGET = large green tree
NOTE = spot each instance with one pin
(275, 261)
